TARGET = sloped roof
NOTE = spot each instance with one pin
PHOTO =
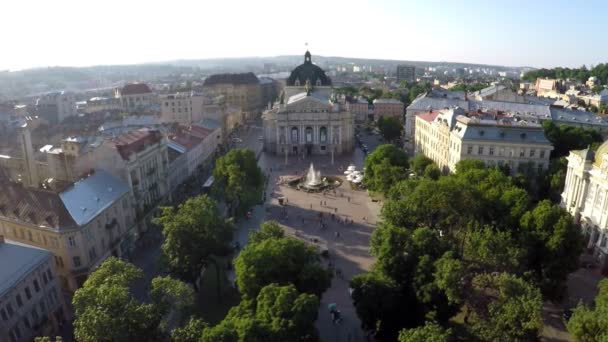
(430, 116)
(32, 206)
(17, 261)
(87, 198)
(135, 141)
(240, 79)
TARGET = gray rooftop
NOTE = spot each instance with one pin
(85, 199)
(17, 261)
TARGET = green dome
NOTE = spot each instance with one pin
(308, 72)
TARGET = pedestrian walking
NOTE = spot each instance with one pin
(321, 203)
(348, 199)
(336, 209)
(310, 205)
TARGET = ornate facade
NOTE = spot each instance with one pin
(307, 119)
(585, 196)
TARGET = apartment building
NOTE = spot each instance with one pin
(406, 73)
(585, 196)
(137, 98)
(81, 223)
(181, 108)
(31, 303)
(451, 135)
(56, 106)
(389, 107)
(241, 90)
(102, 104)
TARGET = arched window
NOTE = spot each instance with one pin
(294, 135)
(309, 135)
(323, 134)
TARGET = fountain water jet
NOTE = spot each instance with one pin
(313, 178)
(313, 182)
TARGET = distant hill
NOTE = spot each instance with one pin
(30, 82)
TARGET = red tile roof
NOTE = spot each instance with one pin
(428, 116)
(136, 141)
(33, 206)
(135, 88)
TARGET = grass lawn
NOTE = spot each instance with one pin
(211, 310)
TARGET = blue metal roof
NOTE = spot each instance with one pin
(85, 199)
(17, 260)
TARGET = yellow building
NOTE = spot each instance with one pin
(81, 223)
(451, 135)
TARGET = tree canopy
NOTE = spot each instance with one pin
(582, 74)
(279, 313)
(587, 325)
(384, 167)
(430, 332)
(270, 258)
(105, 309)
(390, 127)
(565, 138)
(193, 233)
(473, 242)
(239, 179)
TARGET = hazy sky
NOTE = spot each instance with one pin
(512, 32)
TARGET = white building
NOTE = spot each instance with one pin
(182, 108)
(308, 119)
(585, 196)
(31, 303)
(56, 107)
(449, 136)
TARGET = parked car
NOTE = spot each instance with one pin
(237, 140)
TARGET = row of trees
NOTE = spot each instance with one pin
(280, 279)
(581, 74)
(470, 247)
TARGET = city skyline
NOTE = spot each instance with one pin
(71, 33)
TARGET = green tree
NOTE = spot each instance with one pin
(589, 325)
(429, 332)
(565, 138)
(191, 332)
(432, 171)
(278, 314)
(194, 233)
(105, 309)
(239, 179)
(390, 127)
(419, 163)
(502, 307)
(554, 245)
(282, 261)
(380, 304)
(268, 230)
(384, 167)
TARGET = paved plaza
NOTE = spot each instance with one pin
(348, 243)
